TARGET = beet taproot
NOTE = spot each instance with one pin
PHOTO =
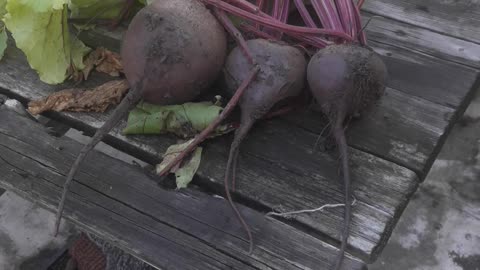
(172, 51)
(282, 75)
(346, 80)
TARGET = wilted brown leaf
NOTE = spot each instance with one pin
(104, 61)
(82, 100)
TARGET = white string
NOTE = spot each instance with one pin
(286, 214)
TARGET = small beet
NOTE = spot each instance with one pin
(345, 80)
(282, 75)
(171, 52)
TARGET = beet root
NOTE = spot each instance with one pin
(345, 80)
(171, 52)
(176, 47)
(282, 75)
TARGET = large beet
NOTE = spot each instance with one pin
(177, 47)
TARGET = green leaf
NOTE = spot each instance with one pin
(185, 173)
(40, 30)
(40, 6)
(78, 51)
(3, 4)
(3, 30)
(105, 9)
(145, 2)
(3, 40)
(184, 120)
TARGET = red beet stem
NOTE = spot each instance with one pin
(361, 34)
(285, 11)
(322, 14)
(260, 4)
(312, 41)
(269, 21)
(227, 23)
(347, 16)
(302, 9)
(133, 96)
(327, 12)
(360, 3)
(351, 15)
(246, 5)
(276, 9)
(257, 32)
(207, 131)
(276, 13)
(339, 135)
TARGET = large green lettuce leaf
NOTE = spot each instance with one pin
(105, 9)
(40, 30)
(3, 32)
(3, 40)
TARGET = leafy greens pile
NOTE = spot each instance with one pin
(41, 30)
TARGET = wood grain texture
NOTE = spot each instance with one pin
(169, 229)
(267, 174)
(401, 128)
(460, 19)
(425, 76)
(421, 40)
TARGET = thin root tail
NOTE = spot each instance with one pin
(339, 134)
(133, 96)
(230, 171)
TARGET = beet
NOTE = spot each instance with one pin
(171, 52)
(177, 48)
(345, 80)
(282, 75)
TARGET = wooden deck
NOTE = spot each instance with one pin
(432, 51)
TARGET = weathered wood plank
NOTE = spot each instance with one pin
(422, 40)
(402, 128)
(425, 76)
(455, 18)
(169, 229)
(267, 176)
(278, 169)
